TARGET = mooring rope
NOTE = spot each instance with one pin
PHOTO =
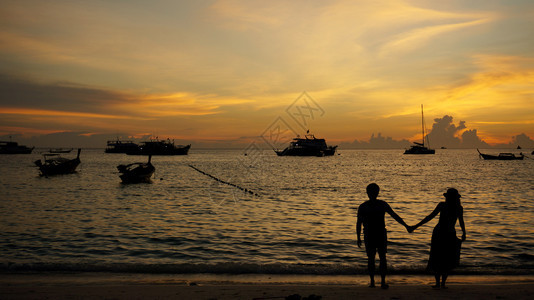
(225, 182)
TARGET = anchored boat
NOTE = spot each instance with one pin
(14, 148)
(119, 146)
(307, 146)
(420, 148)
(501, 156)
(160, 147)
(54, 164)
(137, 172)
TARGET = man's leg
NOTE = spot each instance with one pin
(371, 253)
(383, 267)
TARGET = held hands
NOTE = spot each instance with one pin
(463, 237)
(359, 243)
(410, 229)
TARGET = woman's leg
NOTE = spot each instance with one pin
(443, 280)
(437, 281)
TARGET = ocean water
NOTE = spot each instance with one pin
(298, 218)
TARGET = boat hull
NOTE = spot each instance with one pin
(50, 168)
(121, 147)
(60, 150)
(25, 150)
(307, 152)
(419, 150)
(497, 157)
(161, 151)
(136, 178)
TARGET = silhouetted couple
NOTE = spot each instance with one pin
(444, 246)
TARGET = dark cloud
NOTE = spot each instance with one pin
(522, 140)
(445, 133)
(470, 139)
(21, 93)
(376, 142)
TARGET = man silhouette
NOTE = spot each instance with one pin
(371, 214)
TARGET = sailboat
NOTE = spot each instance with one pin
(420, 148)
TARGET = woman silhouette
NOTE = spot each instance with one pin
(445, 246)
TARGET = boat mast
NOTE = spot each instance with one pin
(423, 125)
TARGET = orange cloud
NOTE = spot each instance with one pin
(6, 130)
(179, 104)
(59, 113)
(415, 38)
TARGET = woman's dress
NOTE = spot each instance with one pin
(445, 246)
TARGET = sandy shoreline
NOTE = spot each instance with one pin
(205, 286)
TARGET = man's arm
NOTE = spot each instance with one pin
(359, 228)
(397, 218)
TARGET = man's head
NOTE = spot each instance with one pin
(372, 190)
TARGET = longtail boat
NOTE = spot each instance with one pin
(501, 156)
(137, 172)
(54, 164)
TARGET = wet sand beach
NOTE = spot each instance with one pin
(202, 286)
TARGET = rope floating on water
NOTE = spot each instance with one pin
(225, 182)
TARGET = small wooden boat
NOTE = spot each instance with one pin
(54, 164)
(501, 156)
(60, 150)
(136, 172)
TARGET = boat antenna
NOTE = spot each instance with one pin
(423, 127)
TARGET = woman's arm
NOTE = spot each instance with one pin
(430, 216)
(462, 225)
(359, 228)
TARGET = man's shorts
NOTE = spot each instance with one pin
(376, 241)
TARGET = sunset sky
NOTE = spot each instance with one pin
(226, 70)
